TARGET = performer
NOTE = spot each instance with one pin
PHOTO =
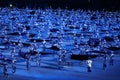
(59, 60)
(89, 64)
(111, 59)
(13, 65)
(28, 58)
(38, 59)
(5, 71)
(105, 62)
(13, 53)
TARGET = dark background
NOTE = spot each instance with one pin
(69, 4)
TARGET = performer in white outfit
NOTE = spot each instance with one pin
(89, 64)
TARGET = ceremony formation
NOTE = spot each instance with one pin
(47, 41)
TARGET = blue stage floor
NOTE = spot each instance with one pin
(76, 71)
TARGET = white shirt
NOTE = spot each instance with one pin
(89, 63)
